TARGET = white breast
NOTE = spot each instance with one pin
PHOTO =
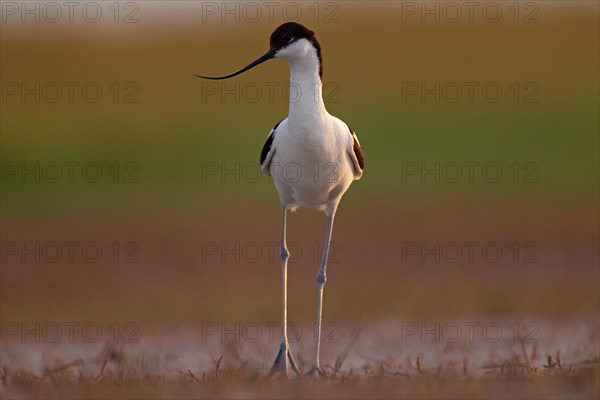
(310, 165)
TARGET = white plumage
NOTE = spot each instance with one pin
(313, 168)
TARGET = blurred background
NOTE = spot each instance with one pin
(130, 188)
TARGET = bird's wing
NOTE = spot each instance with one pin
(267, 152)
(355, 153)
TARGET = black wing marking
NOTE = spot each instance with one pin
(267, 147)
(357, 150)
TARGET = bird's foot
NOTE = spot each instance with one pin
(315, 373)
(284, 361)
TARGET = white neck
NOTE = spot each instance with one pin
(306, 91)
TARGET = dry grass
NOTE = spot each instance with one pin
(154, 371)
(390, 379)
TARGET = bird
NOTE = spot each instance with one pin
(312, 157)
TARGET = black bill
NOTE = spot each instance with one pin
(267, 56)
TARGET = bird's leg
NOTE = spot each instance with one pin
(284, 358)
(316, 370)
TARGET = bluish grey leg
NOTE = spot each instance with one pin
(316, 370)
(284, 358)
